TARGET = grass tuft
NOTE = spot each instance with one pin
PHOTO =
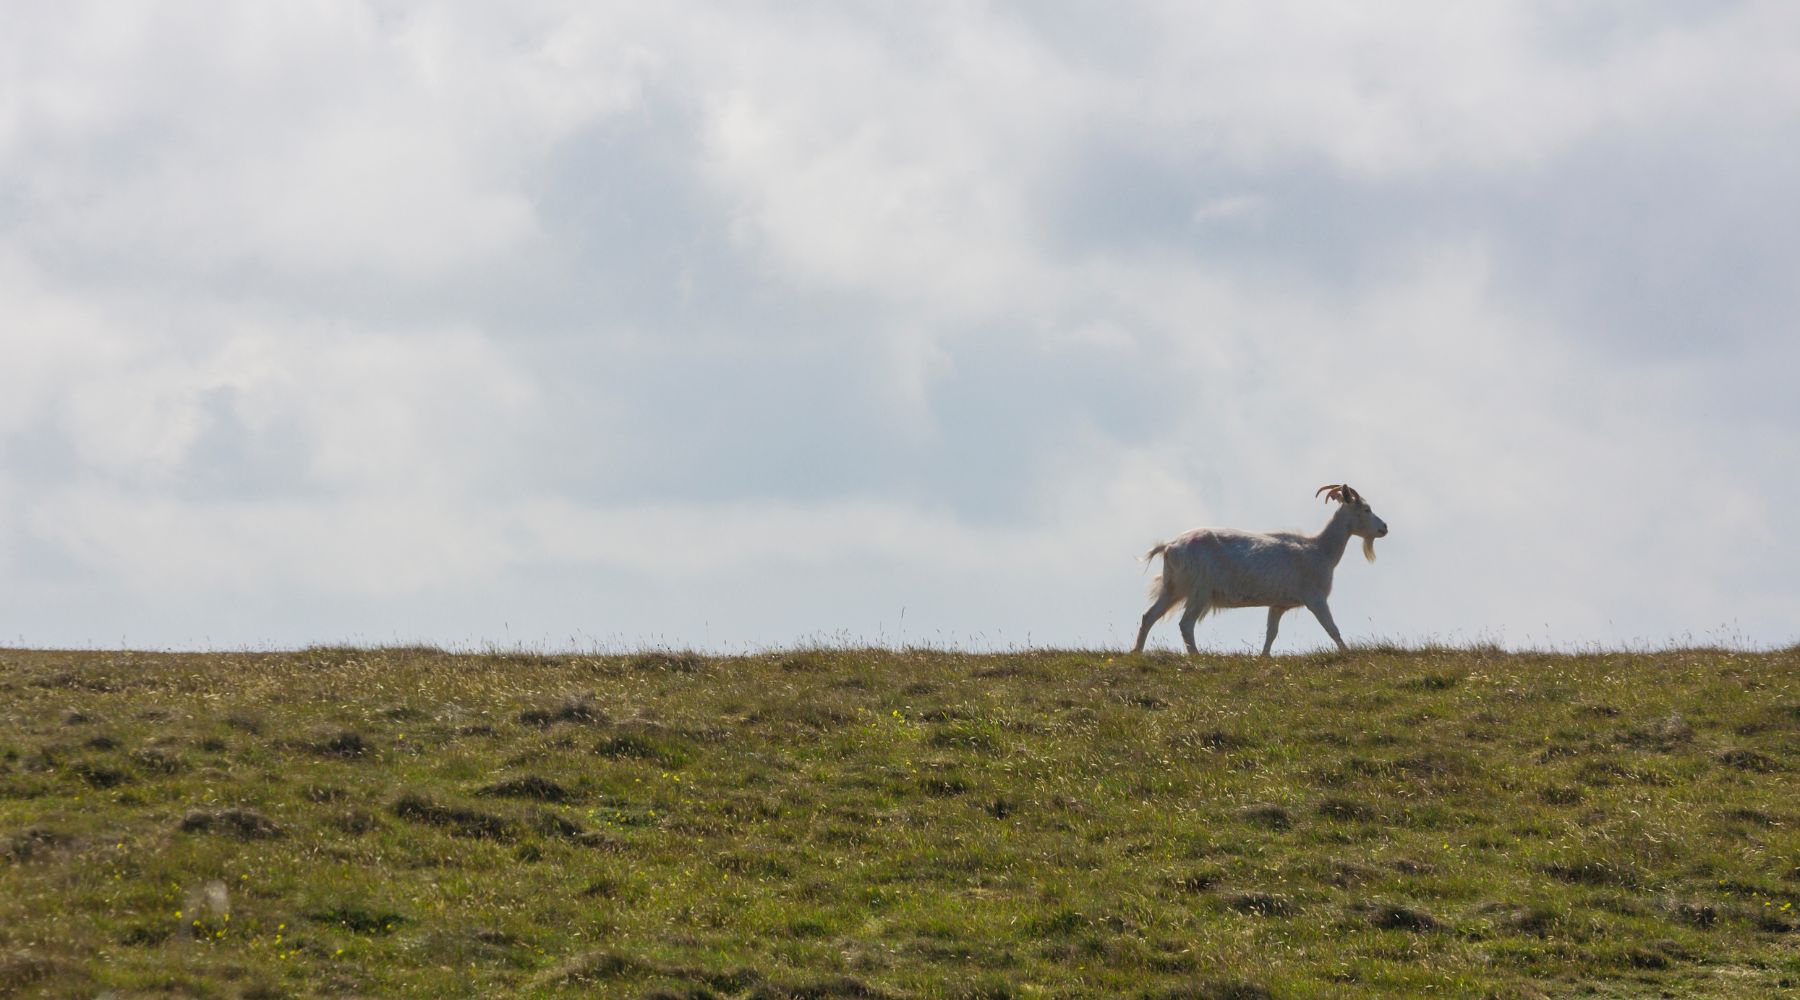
(1262, 904)
(458, 820)
(1748, 760)
(1214, 989)
(530, 786)
(359, 919)
(345, 743)
(579, 709)
(21, 968)
(1395, 917)
(247, 824)
(36, 843)
(1267, 814)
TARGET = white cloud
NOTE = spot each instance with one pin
(1232, 208)
(294, 138)
(870, 174)
(370, 408)
(1413, 87)
(798, 316)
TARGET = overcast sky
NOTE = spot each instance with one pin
(588, 325)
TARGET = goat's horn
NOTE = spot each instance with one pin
(1332, 496)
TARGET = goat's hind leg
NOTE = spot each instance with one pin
(1164, 601)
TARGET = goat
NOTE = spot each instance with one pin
(1211, 568)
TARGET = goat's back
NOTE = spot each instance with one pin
(1227, 567)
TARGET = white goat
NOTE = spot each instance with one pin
(1212, 568)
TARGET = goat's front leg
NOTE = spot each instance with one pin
(1275, 614)
(1323, 614)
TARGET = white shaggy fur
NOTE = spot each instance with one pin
(1211, 568)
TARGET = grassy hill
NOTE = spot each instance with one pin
(873, 824)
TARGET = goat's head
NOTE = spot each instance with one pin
(1363, 522)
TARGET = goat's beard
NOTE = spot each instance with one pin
(1369, 549)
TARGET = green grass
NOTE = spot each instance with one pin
(843, 823)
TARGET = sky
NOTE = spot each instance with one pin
(738, 326)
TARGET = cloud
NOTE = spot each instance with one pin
(380, 408)
(295, 140)
(761, 323)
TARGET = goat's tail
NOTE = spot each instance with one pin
(1160, 585)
